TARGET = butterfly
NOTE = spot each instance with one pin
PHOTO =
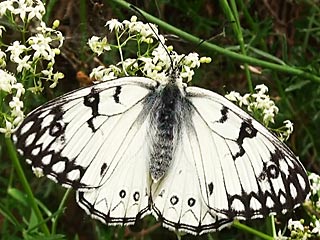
(135, 146)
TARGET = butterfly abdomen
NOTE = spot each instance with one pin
(165, 119)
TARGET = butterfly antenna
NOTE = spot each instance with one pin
(222, 33)
(155, 33)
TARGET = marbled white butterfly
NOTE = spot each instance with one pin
(134, 146)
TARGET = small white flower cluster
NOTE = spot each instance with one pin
(315, 184)
(295, 225)
(260, 104)
(98, 45)
(257, 102)
(157, 60)
(30, 59)
(300, 231)
(10, 86)
(25, 9)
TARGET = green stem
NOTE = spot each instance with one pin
(13, 155)
(307, 36)
(233, 16)
(214, 48)
(83, 27)
(120, 52)
(273, 226)
(49, 9)
(62, 203)
(245, 228)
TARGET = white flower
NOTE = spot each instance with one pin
(192, 60)
(110, 76)
(16, 104)
(55, 78)
(19, 89)
(2, 28)
(16, 49)
(315, 183)
(37, 11)
(18, 118)
(244, 100)
(104, 74)
(233, 96)
(145, 31)
(129, 63)
(268, 115)
(133, 18)
(316, 227)
(41, 44)
(187, 73)
(6, 81)
(289, 126)
(23, 63)
(280, 236)
(262, 89)
(6, 6)
(97, 73)
(148, 64)
(295, 225)
(262, 100)
(8, 129)
(56, 36)
(314, 177)
(161, 57)
(114, 24)
(21, 9)
(161, 77)
(97, 45)
(2, 59)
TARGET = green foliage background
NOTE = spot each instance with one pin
(279, 38)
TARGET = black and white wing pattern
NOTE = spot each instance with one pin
(134, 146)
(227, 166)
(92, 140)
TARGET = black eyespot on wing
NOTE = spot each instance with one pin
(174, 200)
(122, 193)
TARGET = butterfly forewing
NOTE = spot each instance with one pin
(67, 138)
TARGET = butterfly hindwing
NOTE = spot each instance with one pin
(177, 199)
(123, 192)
